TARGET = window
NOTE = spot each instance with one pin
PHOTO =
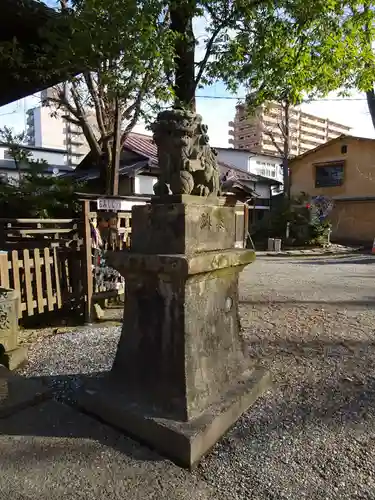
(344, 149)
(329, 175)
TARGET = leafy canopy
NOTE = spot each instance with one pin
(296, 50)
(35, 192)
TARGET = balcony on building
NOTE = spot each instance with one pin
(74, 143)
(30, 119)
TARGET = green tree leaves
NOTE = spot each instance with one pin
(36, 193)
(298, 49)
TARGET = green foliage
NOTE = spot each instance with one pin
(38, 195)
(305, 227)
(35, 194)
(126, 50)
(297, 50)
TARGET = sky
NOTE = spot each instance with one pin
(217, 106)
(218, 109)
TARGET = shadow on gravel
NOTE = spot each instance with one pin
(342, 261)
(336, 404)
(340, 350)
(363, 276)
(51, 419)
(65, 387)
(365, 302)
(343, 396)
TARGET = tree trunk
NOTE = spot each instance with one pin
(106, 167)
(286, 150)
(370, 95)
(116, 151)
(18, 168)
(181, 15)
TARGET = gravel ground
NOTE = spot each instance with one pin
(313, 435)
(65, 360)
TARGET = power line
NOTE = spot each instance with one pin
(307, 101)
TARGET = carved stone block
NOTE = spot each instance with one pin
(181, 376)
(8, 319)
(11, 354)
(187, 163)
(199, 225)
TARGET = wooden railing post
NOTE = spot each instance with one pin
(2, 236)
(246, 224)
(4, 270)
(87, 262)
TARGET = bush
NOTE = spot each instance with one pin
(38, 195)
(33, 193)
(305, 225)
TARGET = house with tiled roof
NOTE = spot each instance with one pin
(139, 171)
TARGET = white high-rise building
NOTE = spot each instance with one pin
(261, 132)
(49, 129)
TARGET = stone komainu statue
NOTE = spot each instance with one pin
(187, 162)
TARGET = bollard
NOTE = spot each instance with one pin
(277, 245)
(287, 232)
(329, 236)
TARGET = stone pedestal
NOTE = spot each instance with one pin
(180, 377)
(11, 354)
(18, 393)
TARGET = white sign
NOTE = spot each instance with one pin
(117, 205)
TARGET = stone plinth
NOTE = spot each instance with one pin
(185, 227)
(17, 393)
(180, 378)
(11, 354)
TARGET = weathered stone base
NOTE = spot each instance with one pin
(184, 442)
(15, 358)
(17, 393)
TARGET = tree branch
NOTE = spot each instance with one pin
(86, 128)
(63, 4)
(135, 107)
(69, 119)
(97, 105)
(209, 48)
(370, 96)
(272, 137)
(62, 101)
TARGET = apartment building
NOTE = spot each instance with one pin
(262, 132)
(55, 158)
(46, 131)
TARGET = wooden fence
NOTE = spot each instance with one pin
(46, 279)
(91, 218)
(38, 233)
(50, 261)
